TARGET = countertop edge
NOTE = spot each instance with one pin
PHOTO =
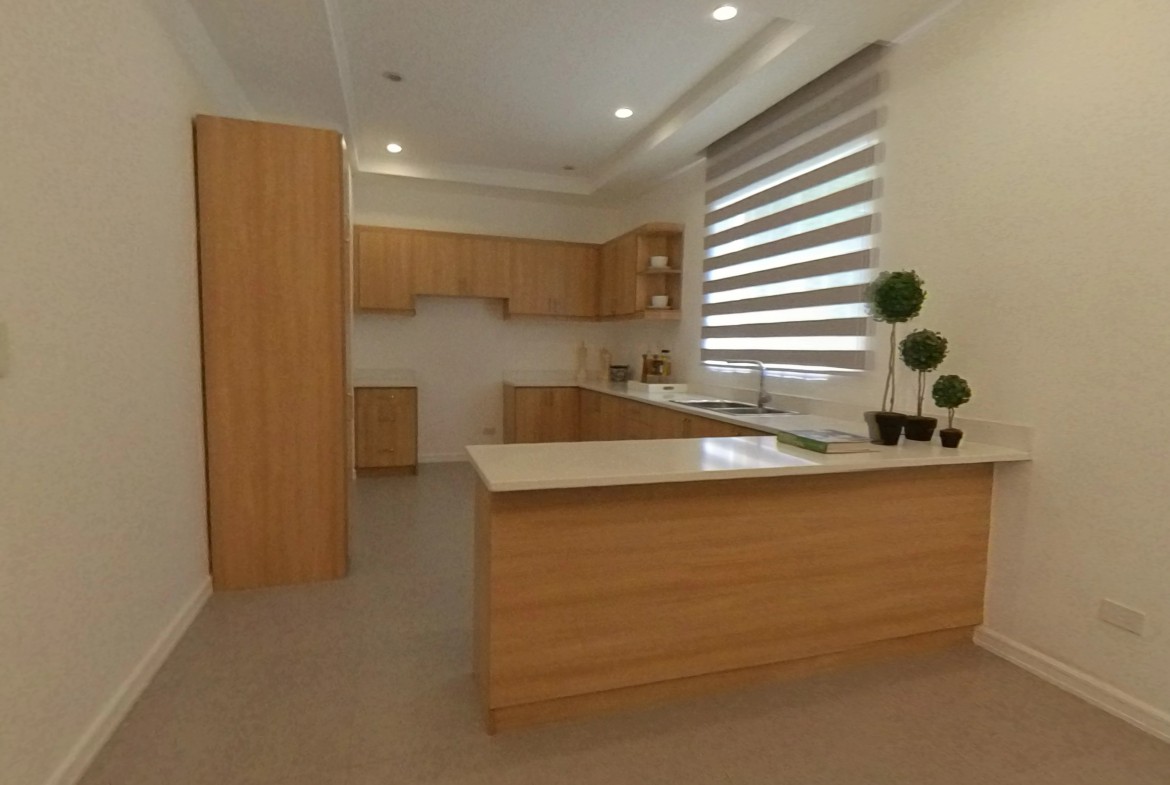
(833, 466)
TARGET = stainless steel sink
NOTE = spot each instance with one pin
(732, 407)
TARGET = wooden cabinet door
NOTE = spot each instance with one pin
(607, 280)
(484, 267)
(272, 270)
(386, 420)
(456, 265)
(625, 276)
(591, 405)
(385, 269)
(553, 279)
(610, 418)
(547, 414)
(669, 424)
(533, 280)
(618, 277)
(576, 290)
(437, 263)
(639, 420)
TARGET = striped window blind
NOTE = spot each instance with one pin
(791, 219)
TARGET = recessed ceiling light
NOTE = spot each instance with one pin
(394, 147)
(623, 113)
(725, 12)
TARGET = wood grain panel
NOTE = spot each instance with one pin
(558, 709)
(554, 279)
(487, 267)
(590, 416)
(509, 414)
(387, 427)
(272, 271)
(385, 269)
(546, 414)
(612, 419)
(604, 588)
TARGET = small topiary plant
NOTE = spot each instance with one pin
(950, 392)
(894, 298)
(923, 351)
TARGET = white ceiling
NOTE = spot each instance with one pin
(509, 92)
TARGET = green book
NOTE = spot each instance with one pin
(825, 440)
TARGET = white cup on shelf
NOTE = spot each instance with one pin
(660, 301)
(659, 262)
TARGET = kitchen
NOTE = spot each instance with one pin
(125, 667)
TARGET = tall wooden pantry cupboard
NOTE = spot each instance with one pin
(273, 275)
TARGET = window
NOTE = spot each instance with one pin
(791, 219)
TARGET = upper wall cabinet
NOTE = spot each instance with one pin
(554, 279)
(619, 269)
(395, 265)
(384, 274)
(460, 265)
(536, 277)
(628, 279)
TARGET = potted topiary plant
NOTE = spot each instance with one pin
(922, 351)
(894, 298)
(950, 392)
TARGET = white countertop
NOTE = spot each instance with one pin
(528, 467)
(382, 377)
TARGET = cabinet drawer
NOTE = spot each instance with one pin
(386, 422)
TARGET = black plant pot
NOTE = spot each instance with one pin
(889, 425)
(920, 429)
(950, 437)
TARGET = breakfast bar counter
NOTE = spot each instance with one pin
(610, 574)
(528, 467)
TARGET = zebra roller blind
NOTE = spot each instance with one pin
(791, 219)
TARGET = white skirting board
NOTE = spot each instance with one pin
(118, 706)
(1089, 688)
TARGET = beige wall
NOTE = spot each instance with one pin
(1026, 181)
(461, 348)
(102, 521)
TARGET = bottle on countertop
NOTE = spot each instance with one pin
(651, 368)
(666, 365)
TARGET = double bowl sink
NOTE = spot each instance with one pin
(732, 407)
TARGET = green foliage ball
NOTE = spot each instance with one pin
(950, 391)
(923, 350)
(895, 296)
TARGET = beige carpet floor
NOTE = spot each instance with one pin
(366, 682)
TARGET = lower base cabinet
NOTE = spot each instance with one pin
(541, 414)
(568, 414)
(386, 430)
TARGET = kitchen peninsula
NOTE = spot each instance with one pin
(610, 574)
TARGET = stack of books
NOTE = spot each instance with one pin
(825, 440)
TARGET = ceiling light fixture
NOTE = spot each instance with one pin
(725, 12)
(623, 113)
(394, 147)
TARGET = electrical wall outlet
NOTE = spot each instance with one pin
(1119, 615)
